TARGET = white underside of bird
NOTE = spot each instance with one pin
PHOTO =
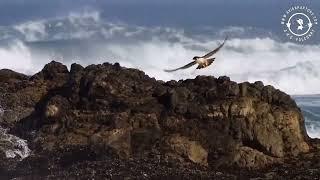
(203, 61)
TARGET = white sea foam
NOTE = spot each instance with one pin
(313, 128)
(84, 16)
(290, 67)
(32, 30)
(16, 56)
(242, 59)
(310, 105)
(11, 145)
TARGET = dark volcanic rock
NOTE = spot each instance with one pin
(110, 114)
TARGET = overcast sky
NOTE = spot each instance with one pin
(262, 13)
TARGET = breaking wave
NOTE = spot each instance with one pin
(12, 146)
(313, 129)
(310, 106)
(87, 38)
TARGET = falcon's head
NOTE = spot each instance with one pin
(196, 57)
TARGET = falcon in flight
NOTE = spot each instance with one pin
(203, 61)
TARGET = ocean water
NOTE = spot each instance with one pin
(87, 37)
(310, 106)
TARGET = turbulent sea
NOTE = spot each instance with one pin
(310, 106)
(88, 37)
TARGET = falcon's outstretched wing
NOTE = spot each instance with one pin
(183, 67)
(216, 50)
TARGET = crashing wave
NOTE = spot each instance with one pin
(313, 128)
(12, 146)
(86, 38)
(310, 106)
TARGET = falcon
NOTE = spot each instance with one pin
(203, 61)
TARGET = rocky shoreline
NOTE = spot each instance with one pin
(107, 121)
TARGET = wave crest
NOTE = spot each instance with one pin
(87, 38)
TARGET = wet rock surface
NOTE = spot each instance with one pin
(107, 121)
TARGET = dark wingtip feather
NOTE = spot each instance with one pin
(167, 70)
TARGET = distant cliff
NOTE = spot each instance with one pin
(105, 111)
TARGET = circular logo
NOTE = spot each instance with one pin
(299, 23)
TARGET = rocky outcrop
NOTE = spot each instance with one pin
(183, 147)
(112, 111)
